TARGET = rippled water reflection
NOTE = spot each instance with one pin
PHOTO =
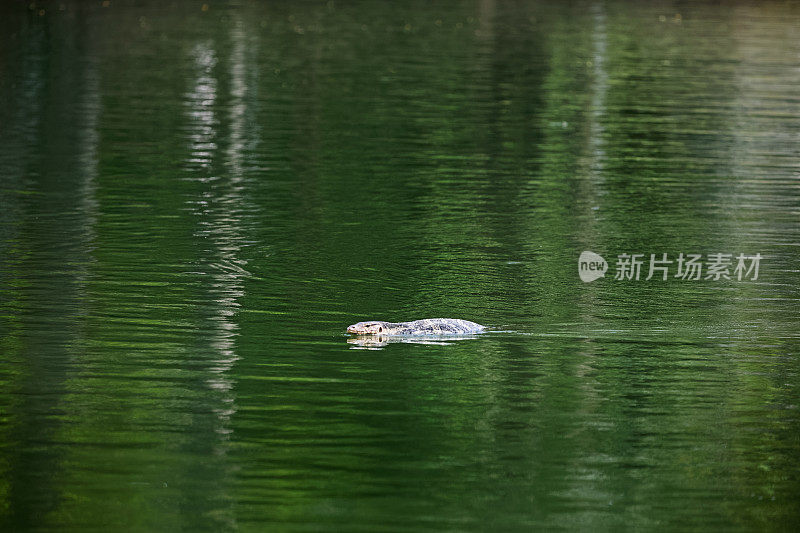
(196, 200)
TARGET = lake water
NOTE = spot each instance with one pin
(197, 198)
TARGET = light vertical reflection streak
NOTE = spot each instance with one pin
(217, 213)
(598, 101)
(200, 102)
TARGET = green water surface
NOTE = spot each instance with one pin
(196, 198)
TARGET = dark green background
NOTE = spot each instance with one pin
(194, 204)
